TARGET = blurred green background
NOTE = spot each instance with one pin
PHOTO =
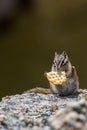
(31, 32)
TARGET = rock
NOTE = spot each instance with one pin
(33, 111)
(74, 117)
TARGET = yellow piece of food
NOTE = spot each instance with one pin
(57, 78)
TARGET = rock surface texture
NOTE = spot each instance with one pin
(30, 111)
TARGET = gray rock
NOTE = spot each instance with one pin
(32, 111)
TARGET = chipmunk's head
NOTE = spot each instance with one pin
(60, 62)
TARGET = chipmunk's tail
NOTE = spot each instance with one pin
(39, 90)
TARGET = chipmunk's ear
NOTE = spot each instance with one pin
(65, 54)
(56, 54)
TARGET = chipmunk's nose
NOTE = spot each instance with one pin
(58, 68)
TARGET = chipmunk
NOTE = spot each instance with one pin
(61, 63)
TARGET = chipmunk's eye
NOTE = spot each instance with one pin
(63, 62)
